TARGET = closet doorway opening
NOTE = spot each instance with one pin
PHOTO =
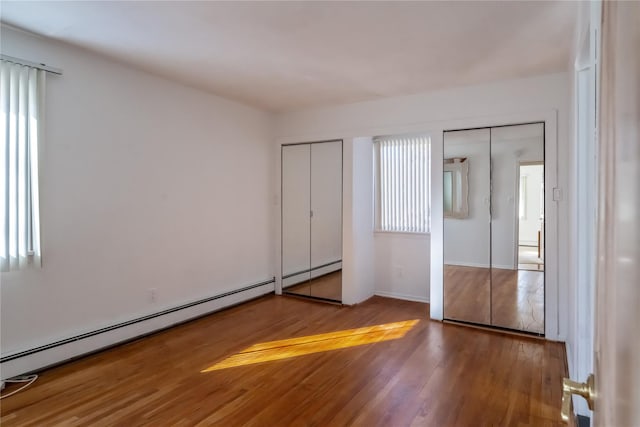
(493, 231)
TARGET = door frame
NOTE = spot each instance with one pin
(581, 338)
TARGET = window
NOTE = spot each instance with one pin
(402, 184)
(21, 96)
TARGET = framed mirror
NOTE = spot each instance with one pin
(456, 187)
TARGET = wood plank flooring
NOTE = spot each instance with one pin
(435, 375)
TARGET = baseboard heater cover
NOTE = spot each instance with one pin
(84, 336)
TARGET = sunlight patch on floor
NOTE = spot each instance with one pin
(293, 347)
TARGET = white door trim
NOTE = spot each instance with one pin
(555, 321)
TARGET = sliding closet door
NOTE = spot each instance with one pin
(296, 218)
(312, 220)
(517, 227)
(326, 220)
(467, 233)
(494, 231)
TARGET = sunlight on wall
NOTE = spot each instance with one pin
(293, 347)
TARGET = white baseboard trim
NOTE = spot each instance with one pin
(401, 296)
(50, 354)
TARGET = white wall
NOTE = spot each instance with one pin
(358, 249)
(400, 267)
(514, 101)
(144, 184)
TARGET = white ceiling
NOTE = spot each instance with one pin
(283, 56)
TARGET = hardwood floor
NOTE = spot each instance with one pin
(508, 298)
(328, 286)
(435, 374)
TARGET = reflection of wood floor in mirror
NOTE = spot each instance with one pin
(466, 294)
(516, 300)
(528, 258)
(328, 286)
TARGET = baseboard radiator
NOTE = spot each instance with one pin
(44, 356)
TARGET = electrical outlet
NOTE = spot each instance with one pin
(153, 295)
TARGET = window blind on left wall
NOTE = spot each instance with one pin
(402, 183)
(21, 121)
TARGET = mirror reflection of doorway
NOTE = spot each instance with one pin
(530, 246)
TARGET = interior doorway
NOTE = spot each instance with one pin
(530, 216)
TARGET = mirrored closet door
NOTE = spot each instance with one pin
(312, 220)
(494, 227)
(467, 233)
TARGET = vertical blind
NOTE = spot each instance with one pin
(402, 184)
(21, 113)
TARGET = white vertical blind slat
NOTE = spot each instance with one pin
(410, 184)
(395, 174)
(414, 186)
(405, 182)
(420, 184)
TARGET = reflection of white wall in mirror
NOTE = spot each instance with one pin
(295, 208)
(466, 242)
(326, 203)
(510, 147)
(531, 195)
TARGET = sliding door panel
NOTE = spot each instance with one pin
(467, 226)
(517, 227)
(312, 220)
(296, 219)
(326, 220)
